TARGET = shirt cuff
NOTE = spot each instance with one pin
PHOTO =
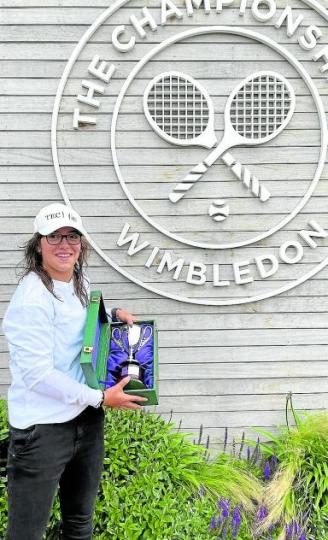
(94, 397)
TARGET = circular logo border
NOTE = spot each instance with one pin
(61, 86)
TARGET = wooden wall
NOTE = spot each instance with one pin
(219, 366)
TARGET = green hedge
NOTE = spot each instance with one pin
(157, 485)
(297, 494)
(3, 453)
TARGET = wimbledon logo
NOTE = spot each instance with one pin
(197, 130)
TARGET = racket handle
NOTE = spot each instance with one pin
(189, 180)
(240, 171)
(249, 180)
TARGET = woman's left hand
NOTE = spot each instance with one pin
(125, 316)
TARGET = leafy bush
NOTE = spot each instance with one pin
(297, 495)
(3, 453)
(157, 485)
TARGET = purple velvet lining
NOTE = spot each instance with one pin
(95, 345)
(144, 355)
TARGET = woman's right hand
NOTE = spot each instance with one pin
(116, 398)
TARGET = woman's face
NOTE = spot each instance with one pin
(59, 260)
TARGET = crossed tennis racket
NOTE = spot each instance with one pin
(181, 111)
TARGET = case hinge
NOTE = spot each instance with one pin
(87, 349)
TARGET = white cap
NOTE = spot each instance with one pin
(54, 216)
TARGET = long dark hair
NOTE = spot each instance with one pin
(32, 262)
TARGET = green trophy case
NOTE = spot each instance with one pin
(96, 349)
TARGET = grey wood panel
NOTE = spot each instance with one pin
(54, 68)
(86, 16)
(100, 3)
(103, 174)
(206, 387)
(9, 277)
(261, 354)
(314, 256)
(198, 339)
(286, 305)
(72, 33)
(128, 292)
(13, 208)
(44, 104)
(240, 403)
(241, 387)
(96, 224)
(157, 190)
(42, 121)
(181, 52)
(78, 156)
(245, 371)
(233, 419)
(126, 139)
(48, 87)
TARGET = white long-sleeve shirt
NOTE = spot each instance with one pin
(45, 338)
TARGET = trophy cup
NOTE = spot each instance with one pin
(132, 367)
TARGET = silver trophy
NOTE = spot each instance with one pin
(136, 337)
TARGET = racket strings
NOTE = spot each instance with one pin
(178, 107)
(260, 107)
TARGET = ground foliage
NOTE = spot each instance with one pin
(158, 485)
(297, 494)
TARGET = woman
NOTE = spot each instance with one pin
(56, 420)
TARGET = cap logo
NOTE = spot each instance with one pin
(56, 215)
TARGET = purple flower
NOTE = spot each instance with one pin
(294, 530)
(262, 513)
(213, 523)
(220, 520)
(267, 470)
(225, 531)
(235, 522)
(290, 529)
(236, 518)
(223, 506)
(274, 460)
(297, 528)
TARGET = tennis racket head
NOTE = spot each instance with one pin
(260, 107)
(180, 110)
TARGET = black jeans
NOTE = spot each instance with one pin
(44, 456)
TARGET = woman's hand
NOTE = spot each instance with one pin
(115, 397)
(125, 316)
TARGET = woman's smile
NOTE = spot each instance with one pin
(59, 259)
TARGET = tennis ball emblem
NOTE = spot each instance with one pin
(218, 210)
